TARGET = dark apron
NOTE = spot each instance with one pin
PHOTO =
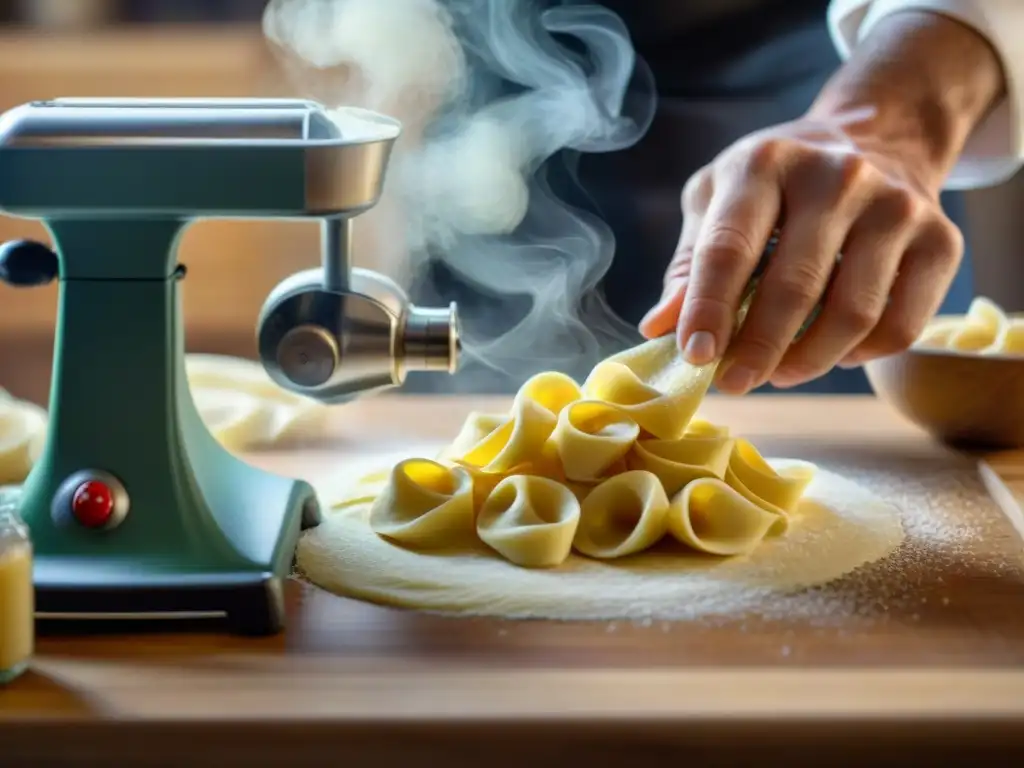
(775, 74)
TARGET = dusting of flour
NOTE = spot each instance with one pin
(840, 527)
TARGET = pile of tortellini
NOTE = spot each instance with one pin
(236, 399)
(608, 469)
(986, 329)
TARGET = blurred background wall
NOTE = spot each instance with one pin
(214, 48)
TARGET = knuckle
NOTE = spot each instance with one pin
(797, 286)
(896, 336)
(759, 351)
(900, 205)
(794, 293)
(856, 315)
(694, 193)
(764, 156)
(809, 168)
(709, 313)
(680, 267)
(949, 240)
(854, 171)
(725, 247)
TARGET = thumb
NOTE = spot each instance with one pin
(662, 318)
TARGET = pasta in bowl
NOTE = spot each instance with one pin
(963, 380)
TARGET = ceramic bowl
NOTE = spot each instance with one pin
(960, 398)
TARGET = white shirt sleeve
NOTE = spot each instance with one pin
(995, 150)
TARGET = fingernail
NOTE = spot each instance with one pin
(785, 380)
(848, 364)
(737, 379)
(700, 348)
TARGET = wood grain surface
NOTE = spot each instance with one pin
(929, 662)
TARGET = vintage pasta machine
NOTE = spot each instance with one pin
(133, 507)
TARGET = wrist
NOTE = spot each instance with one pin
(916, 88)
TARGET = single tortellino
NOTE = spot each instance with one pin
(652, 384)
(530, 521)
(475, 429)
(516, 442)
(712, 517)
(591, 437)
(623, 515)
(534, 416)
(753, 477)
(424, 504)
(551, 390)
(678, 462)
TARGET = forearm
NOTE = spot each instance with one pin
(920, 82)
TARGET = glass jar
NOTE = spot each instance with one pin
(17, 595)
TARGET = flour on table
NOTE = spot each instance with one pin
(841, 526)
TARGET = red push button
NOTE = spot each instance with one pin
(93, 504)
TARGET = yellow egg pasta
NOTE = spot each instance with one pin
(624, 515)
(986, 329)
(754, 478)
(654, 385)
(530, 521)
(476, 427)
(424, 504)
(605, 470)
(712, 517)
(678, 462)
(591, 437)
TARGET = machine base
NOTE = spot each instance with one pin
(250, 595)
(193, 527)
(252, 604)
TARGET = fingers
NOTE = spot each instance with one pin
(925, 274)
(664, 316)
(900, 254)
(743, 211)
(860, 288)
(822, 201)
(791, 286)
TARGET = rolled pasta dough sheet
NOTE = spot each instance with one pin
(22, 434)
(236, 399)
(838, 527)
(243, 408)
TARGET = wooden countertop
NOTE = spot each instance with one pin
(937, 670)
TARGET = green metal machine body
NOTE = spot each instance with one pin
(134, 508)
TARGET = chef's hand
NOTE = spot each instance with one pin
(860, 176)
(835, 194)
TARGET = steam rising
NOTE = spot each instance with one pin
(488, 90)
